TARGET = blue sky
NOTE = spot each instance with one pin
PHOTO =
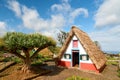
(100, 19)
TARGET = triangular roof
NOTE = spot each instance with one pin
(95, 54)
(46, 52)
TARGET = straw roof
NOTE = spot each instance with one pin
(46, 52)
(95, 54)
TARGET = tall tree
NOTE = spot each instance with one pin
(61, 37)
(16, 41)
(1, 44)
(97, 44)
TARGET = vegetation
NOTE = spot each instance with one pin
(2, 46)
(15, 42)
(76, 78)
(55, 49)
(119, 63)
(15, 59)
(112, 63)
(40, 59)
(97, 44)
(111, 60)
(61, 37)
(118, 73)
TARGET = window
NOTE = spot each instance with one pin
(67, 56)
(75, 43)
(84, 57)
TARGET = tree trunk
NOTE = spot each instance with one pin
(27, 65)
(27, 61)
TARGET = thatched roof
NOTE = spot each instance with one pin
(46, 52)
(95, 54)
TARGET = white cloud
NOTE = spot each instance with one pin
(98, 2)
(77, 12)
(108, 19)
(68, 12)
(15, 7)
(64, 7)
(3, 27)
(109, 39)
(108, 13)
(32, 20)
(61, 15)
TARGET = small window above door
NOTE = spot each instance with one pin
(75, 43)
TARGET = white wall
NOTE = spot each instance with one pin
(80, 48)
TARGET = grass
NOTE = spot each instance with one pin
(111, 58)
(15, 59)
(40, 59)
(1, 59)
(76, 78)
(118, 73)
(112, 63)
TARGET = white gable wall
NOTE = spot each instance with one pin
(68, 51)
(80, 48)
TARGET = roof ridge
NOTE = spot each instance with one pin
(74, 27)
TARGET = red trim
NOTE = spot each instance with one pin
(88, 66)
(64, 63)
(83, 66)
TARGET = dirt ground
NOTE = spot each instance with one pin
(60, 73)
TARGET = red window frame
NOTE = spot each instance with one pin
(75, 43)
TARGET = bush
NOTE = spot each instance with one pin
(39, 59)
(112, 63)
(42, 58)
(35, 63)
(76, 78)
(15, 59)
(118, 73)
(7, 59)
(112, 58)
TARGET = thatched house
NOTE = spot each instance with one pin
(46, 52)
(79, 51)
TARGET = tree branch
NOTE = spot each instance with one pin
(26, 52)
(39, 49)
(18, 55)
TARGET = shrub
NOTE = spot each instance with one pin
(7, 59)
(15, 59)
(118, 73)
(39, 59)
(76, 78)
(112, 63)
(35, 63)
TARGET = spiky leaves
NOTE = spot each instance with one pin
(16, 41)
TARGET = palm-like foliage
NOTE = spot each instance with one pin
(16, 41)
(1, 44)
